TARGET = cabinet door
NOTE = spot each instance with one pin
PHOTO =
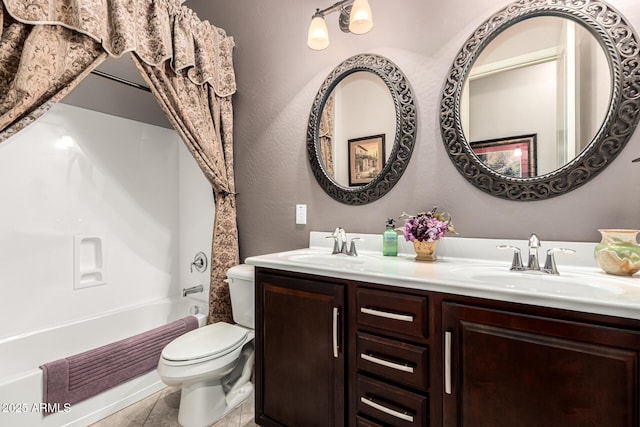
(505, 369)
(299, 347)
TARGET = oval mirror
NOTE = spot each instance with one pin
(541, 98)
(362, 129)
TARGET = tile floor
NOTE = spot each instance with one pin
(161, 410)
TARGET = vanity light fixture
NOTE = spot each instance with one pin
(355, 17)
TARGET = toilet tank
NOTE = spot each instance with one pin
(241, 282)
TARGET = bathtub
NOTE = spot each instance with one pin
(20, 357)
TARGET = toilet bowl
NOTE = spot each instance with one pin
(213, 364)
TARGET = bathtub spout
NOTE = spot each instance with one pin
(192, 290)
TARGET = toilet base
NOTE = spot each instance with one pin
(201, 404)
(204, 403)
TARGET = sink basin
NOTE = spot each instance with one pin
(328, 260)
(567, 283)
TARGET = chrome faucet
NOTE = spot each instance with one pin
(534, 245)
(192, 290)
(339, 237)
(533, 263)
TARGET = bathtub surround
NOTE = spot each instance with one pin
(187, 63)
(77, 173)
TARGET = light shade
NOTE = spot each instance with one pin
(360, 20)
(318, 37)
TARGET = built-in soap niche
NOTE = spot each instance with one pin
(89, 256)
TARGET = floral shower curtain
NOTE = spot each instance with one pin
(48, 46)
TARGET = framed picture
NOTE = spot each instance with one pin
(513, 156)
(366, 159)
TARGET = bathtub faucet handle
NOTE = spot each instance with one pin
(199, 262)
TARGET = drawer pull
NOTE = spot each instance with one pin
(387, 363)
(401, 415)
(386, 314)
(447, 362)
(336, 312)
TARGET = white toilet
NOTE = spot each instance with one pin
(214, 363)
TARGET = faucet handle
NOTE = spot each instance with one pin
(352, 247)
(550, 262)
(336, 245)
(516, 263)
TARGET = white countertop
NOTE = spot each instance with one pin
(581, 285)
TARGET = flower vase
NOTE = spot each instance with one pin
(425, 251)
(618, 253)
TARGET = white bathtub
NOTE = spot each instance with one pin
(20, 358)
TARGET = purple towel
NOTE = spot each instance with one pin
(73, 379)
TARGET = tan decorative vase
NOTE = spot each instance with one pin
(426, 251)
(618, 252)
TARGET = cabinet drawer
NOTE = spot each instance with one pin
(389, 404)
(392, 359)
(363, 422)
(401, 313)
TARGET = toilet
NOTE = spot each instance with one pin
(213, 364)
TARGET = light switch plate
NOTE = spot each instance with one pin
(301, 214)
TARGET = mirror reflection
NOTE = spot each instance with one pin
(547, 82)
(357, 128)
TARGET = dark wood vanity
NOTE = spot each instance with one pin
(335, 352)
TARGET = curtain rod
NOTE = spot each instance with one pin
(120, 80)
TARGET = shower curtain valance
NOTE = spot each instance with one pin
(156, 30)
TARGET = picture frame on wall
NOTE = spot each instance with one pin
(366, 159)
(514, 156)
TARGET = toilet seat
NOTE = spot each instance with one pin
(209, 342)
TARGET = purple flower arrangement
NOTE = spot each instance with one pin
(427, 226)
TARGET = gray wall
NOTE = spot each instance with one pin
(278, 77)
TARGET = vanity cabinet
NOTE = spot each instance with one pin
(334, 352)
(511, 369)
(300, 358)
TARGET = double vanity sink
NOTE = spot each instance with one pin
(490, 275)
(473, 267)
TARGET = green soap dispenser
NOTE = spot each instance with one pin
(390, 240)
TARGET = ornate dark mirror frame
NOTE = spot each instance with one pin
(620, 44)
(404, 139)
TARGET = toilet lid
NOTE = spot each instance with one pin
(208, 341)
